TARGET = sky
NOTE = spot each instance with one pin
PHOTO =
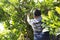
(1, 27)
(39, 0)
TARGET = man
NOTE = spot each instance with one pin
(36, 26)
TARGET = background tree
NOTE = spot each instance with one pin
(13, 16)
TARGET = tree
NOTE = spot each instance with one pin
(13, 15)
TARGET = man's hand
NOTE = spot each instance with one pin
(28, 15)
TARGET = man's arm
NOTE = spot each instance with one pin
(28, 19)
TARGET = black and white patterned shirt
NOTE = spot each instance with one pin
(36, 25)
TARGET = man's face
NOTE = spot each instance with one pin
(36, 16)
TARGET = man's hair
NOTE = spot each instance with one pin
(37, 12)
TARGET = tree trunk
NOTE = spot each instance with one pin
(29, 32)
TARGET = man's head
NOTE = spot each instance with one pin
(37, 13)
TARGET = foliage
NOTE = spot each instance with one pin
(13, 15)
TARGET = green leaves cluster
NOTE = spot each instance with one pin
(13, 15)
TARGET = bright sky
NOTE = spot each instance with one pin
(42, 0)
(39, 0)
(1, 27)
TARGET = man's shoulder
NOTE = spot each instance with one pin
(34, 21)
